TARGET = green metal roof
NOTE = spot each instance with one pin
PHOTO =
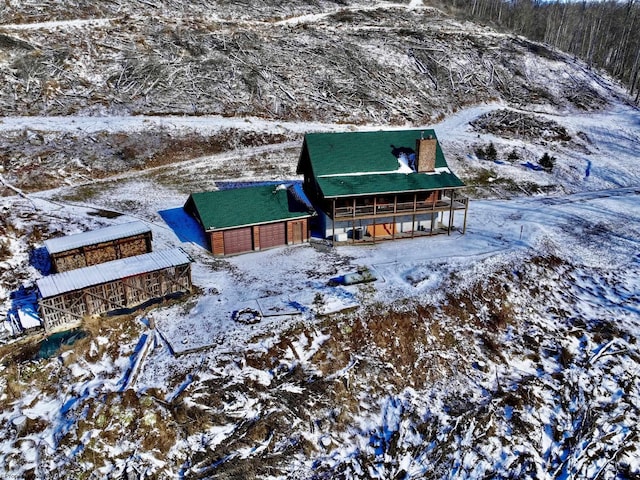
(353, 185)
(363, 163)
(362, 152)
(222, 209)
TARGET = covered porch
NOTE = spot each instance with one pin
(391, 217)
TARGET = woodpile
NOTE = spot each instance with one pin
(514, 124)
(101, 253)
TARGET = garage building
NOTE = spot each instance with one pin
(252, 218)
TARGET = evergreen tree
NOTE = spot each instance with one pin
(547, 162)
(491, 152)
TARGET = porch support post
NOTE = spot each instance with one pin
(374, 227)
(333, 222)
(395, 218)
(450, 212)
(353, 230)
(466, 209)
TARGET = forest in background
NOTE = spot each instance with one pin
(604, 34)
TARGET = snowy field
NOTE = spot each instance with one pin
(530, 368)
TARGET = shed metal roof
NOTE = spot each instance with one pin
(237, 207)
(365, 163)
(78, 240)
(80, 278)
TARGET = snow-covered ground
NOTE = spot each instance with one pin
(519, 357)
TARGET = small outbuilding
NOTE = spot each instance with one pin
(99, 246)
(252, 218)
(66, 298)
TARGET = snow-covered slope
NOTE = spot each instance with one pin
(509, 351)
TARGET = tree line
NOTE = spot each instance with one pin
(605, 34)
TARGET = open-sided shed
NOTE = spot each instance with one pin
(99, 246)
(252, 218)
(67, 297)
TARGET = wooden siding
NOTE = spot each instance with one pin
(71, 307)
(217, 243)
(255, 232)
(87, 256)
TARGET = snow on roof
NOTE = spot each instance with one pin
(80, 278)
(115, 232)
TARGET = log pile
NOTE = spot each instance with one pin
(524, 126)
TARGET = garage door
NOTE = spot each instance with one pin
(272, 235)
(237, 241)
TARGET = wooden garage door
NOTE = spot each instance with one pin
(237, 241)
(272, 235)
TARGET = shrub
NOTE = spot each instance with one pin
(513, 156)
(491, 153)
(5, 251)
(547, 162)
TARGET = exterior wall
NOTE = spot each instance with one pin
(101, 253)
(70, 308)
(217, 243)
(255, 232)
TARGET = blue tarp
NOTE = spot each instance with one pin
(533, 166)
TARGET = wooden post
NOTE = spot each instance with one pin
(466, 208)
(450, 212)
(374, 227)
(353, 230)
(333, 222)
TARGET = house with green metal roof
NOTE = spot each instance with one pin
(381, 185)
(252, 218)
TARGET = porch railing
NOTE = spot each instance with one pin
(459, 203)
